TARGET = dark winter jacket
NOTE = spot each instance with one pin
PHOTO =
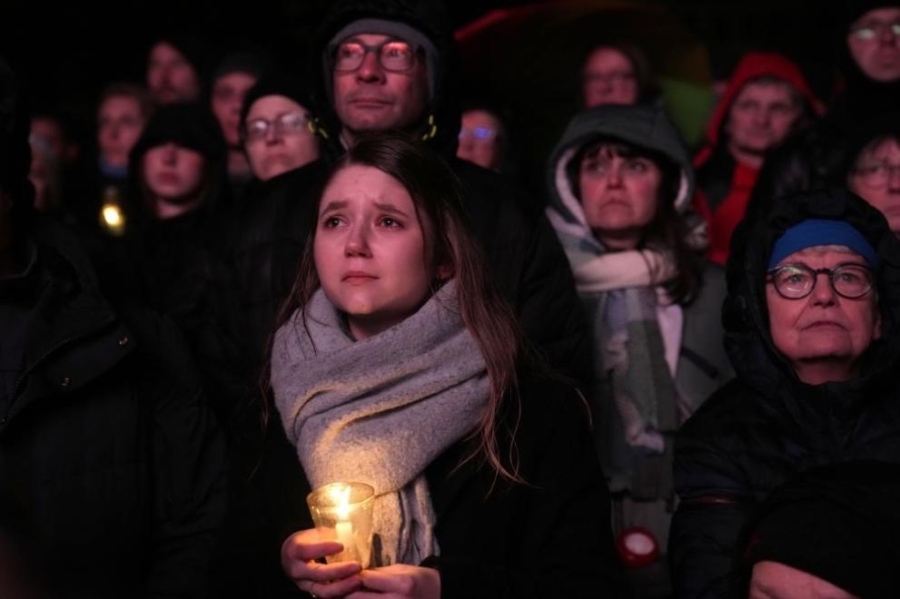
(525, 256)
(766, 425)
(112, 459)
(548, 538)
(812, 159)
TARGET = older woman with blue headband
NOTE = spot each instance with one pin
(811, 321)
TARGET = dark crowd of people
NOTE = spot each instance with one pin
(671, 373)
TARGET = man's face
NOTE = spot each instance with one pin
(761, 116)
(371, 98)
(874, 45)
(170, 76)
(228, 93)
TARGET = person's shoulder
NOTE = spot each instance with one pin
(497, 190)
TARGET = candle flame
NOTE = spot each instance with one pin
(341, 498)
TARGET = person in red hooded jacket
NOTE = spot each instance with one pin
(766, 99)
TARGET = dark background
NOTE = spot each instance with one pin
(66, 51)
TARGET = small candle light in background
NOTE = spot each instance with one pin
(347, 509)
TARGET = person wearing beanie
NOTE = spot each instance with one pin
(390, 65)
(178, 67)
(177, 186)
(235, 73)
(277, 128)
(871, 166)
(619, 181)
(867, 52)
(811, 322)
(832, 528)
(111, 462)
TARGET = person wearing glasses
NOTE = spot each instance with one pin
(233, 76)
(811, 327)
(617, 73)
(873, 168)
(482, 137)
(386, 66)
(867, 55)
(276, 127)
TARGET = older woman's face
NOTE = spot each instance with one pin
(824, 334)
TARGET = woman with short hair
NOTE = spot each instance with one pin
(811, 323)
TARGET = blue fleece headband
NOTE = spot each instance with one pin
(817, 231)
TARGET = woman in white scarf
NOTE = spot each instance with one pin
(397, 364)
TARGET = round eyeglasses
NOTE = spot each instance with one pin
(393, 55)
(796, 281)
(285, 124)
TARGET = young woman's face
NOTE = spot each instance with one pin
(370, 250)
(173, 174)
(619, 196)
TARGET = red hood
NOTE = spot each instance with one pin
(751, 66)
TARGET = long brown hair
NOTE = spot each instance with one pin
(437, 198)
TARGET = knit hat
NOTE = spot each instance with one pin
(253, 63)
(276, 83)
(851, 10)
(190, 125)
(819, 231)
(836, 522)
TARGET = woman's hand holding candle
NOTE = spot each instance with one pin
(299, 553)
(401, 581)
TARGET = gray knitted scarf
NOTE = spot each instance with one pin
(380, 410)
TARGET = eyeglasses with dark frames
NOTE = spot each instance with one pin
(797, 281)
(393, 55)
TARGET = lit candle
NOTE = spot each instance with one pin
(346, 509)
(344, 532)
(343, 527)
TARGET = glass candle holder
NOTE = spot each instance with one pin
(345, 510)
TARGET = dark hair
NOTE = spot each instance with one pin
(667, 230)
(647, 88)
(139, 93)
(437, 198)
